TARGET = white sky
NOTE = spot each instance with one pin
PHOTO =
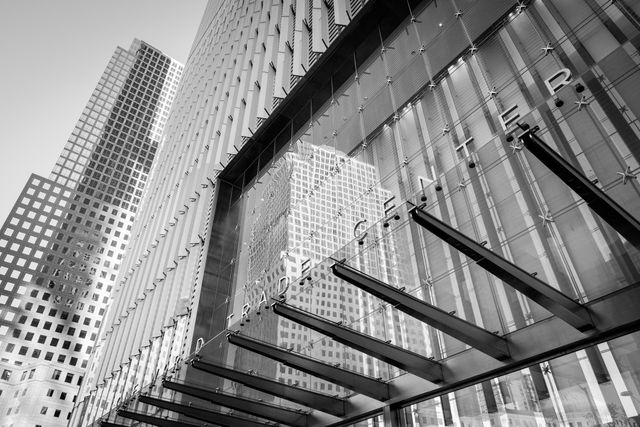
(52, 53)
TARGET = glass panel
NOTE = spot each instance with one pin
(341, 188)
(595, 386)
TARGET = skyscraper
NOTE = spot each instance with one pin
(289, 212)
(63, 242)
(497, 286)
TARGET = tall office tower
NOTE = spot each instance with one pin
(506, 130)
(299, 198)
(61, 246)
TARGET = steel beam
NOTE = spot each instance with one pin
(110, 424)
(475, 336)
(617, 315)
(409, 361)
(200, 413)
(271, 412)
(321, 402)
(548, 297)
(362, 384)
(156, 421)
(599, 202)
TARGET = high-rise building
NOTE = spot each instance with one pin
(494, 281)
(62, 244)
(299, 199)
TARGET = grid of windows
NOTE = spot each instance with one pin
(62, 245)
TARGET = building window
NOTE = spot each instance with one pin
(50, 392)
(43, 410)
(6, 375)
(56, 374)
(56, 413)
(68, 378)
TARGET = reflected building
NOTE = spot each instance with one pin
(62, 244)
(311, 200)
(509, 278)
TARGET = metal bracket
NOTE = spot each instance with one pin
(268, 411)
(362, 384)
(148, 419)
(321, 402)
(458, 328)
(548, 297)
(599, 202)
(200, 413)
(409, 361)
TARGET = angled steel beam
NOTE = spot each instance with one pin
(321, 402)
(359, 383)
(271, 412)
(467, 332)
(200, 413)
(156, 421)
(599, 202)
(548, 297)
(392, 354)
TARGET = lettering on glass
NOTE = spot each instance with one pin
(424, 180)
(229, 317)
(245, 310)
(508, 117)
(356, 228)
(389, 205)
(263, 299)
(465, 147)
(306, 266)
(558, 80)
(283, 285)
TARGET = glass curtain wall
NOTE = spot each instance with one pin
(416, 125)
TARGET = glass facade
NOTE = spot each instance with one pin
(438, 136)
(432, 118)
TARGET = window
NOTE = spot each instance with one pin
(68, 378)
(63, 395)
(56, 413)
(43, 410)
(6, 375)
(56, 374)
(50, 392)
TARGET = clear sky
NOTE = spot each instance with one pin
(52, 53)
